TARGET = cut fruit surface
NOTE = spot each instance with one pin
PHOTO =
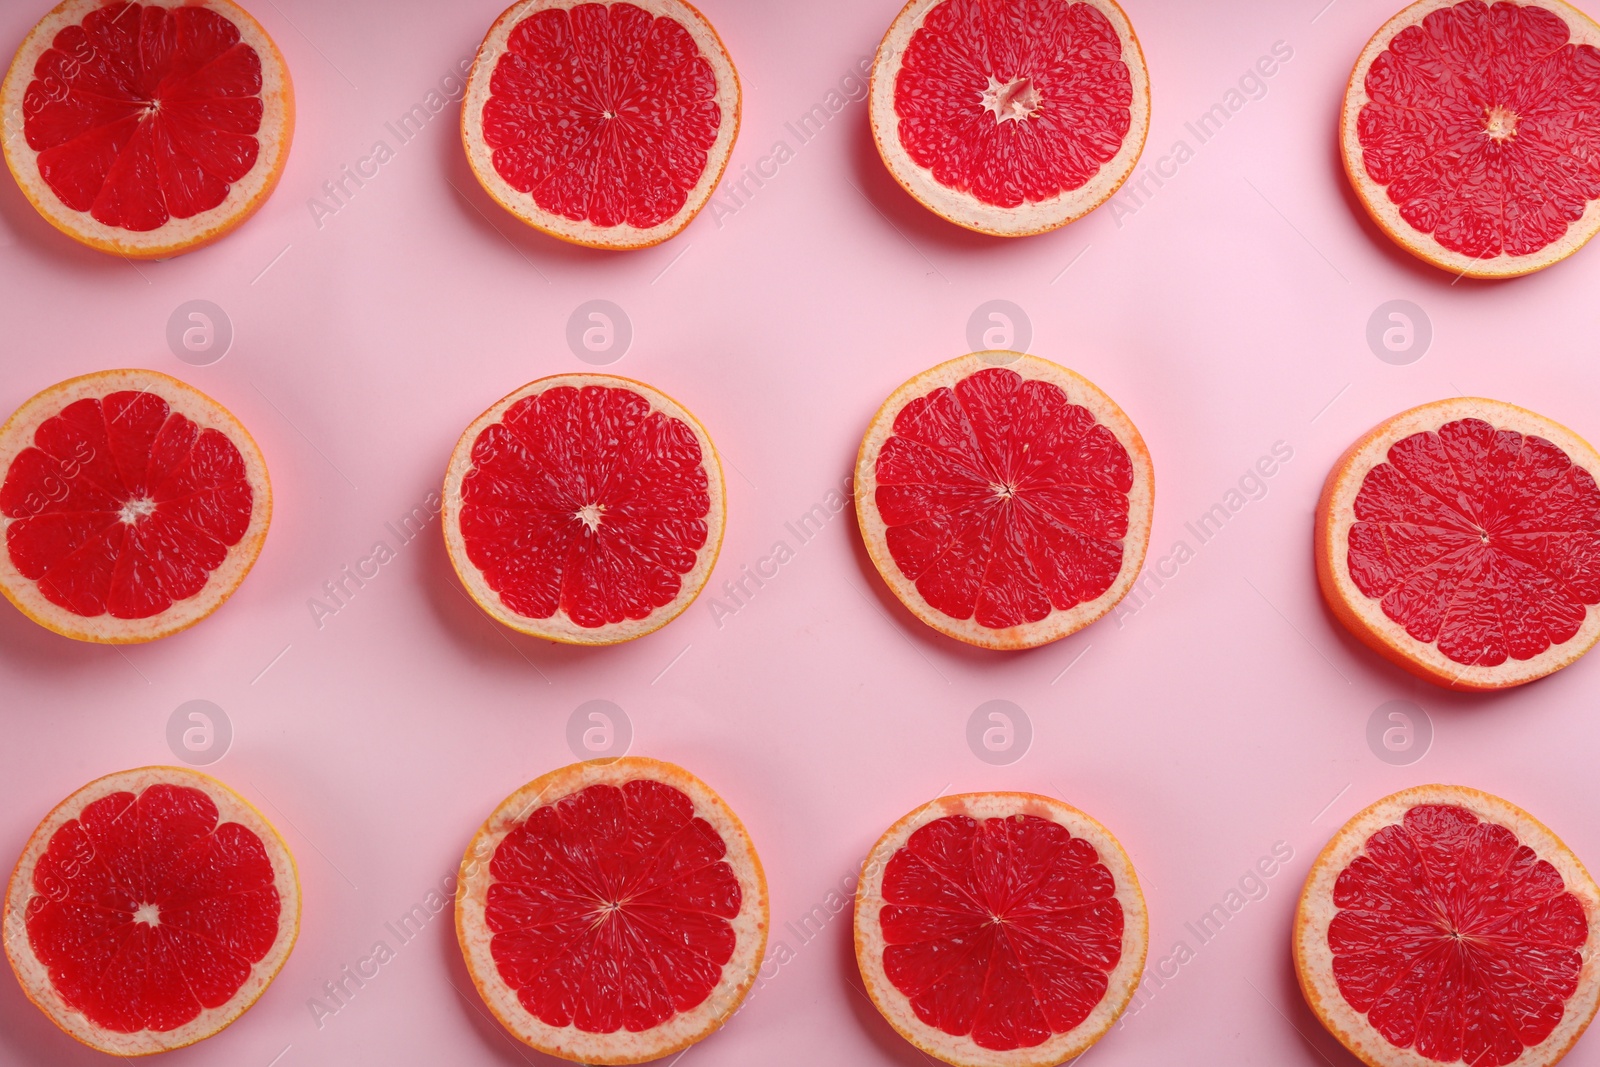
(1010, 117)
(612, 911)
(149, 910)
(1470, 131)
(1443, 925)
(132, 505)
(584, 508)
(1461, 540)
(1000, 929)
(1006, 500)
(147, 129)
(604, 124)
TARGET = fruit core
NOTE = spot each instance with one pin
(1500, 123)
(1011, 101)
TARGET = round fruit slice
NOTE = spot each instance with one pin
(1006, 500)
(1461, 540)
(585, 509)
(149, 910)
(612, 911)
(1000, 929)
(1470, 129)
(604, 124)
(133, 505)
(1444, 925)
(1010, 117)
(147, 129)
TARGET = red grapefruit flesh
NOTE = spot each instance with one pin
(1461, 540)
(605, 124)
(612, 911)
(1470, 132)
(1010, 117)
(149, 911)
(1005, 500)
(1445, 925)
(1000, 929)
(147, 129)
(584, 508)
(132, 506)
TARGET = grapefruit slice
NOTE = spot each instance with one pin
(604, 124)
(1000, 929)
(1470, 132)
(585, 509)
(1006, 500)
(612, 911)
(147, 129)
(132, 504)
(1461, 541)
(1010, 117)
(149, 910)
(1445, 925)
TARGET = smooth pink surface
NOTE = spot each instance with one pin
(1227, 714)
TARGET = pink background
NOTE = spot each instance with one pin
(1225, 314)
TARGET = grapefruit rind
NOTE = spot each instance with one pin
(1386, 214)
(963, 208)
(962, 1051)
(1363, 616)
(176, 236)
(34, 975)
(17, 434)
(1080, 390)
(622, 237)
(622, 1047)
(1313, 959)
(558, 627)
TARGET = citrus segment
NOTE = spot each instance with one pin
(150, 910)
(612, 911)
(1470, 131)
(607, 124)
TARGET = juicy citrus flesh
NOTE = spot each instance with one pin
(123, 507)
(1455, 939)
(1003, 499)
(1482, 123)
(142, 114)
(1481, 540)
(602, 112)
(612, 909)
(586, 502)
(1013, 102)
(148, 910)
(1002, 929)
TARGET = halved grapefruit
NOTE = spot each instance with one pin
(1000, 929)
(149, 910)
(1444, 925)
(612, 911)
(605, 124)
(1010, 117)
(1006, 500)
(1470, 131)
(133, 505)
(1461, 541)
(584, 508)
(147, 129)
